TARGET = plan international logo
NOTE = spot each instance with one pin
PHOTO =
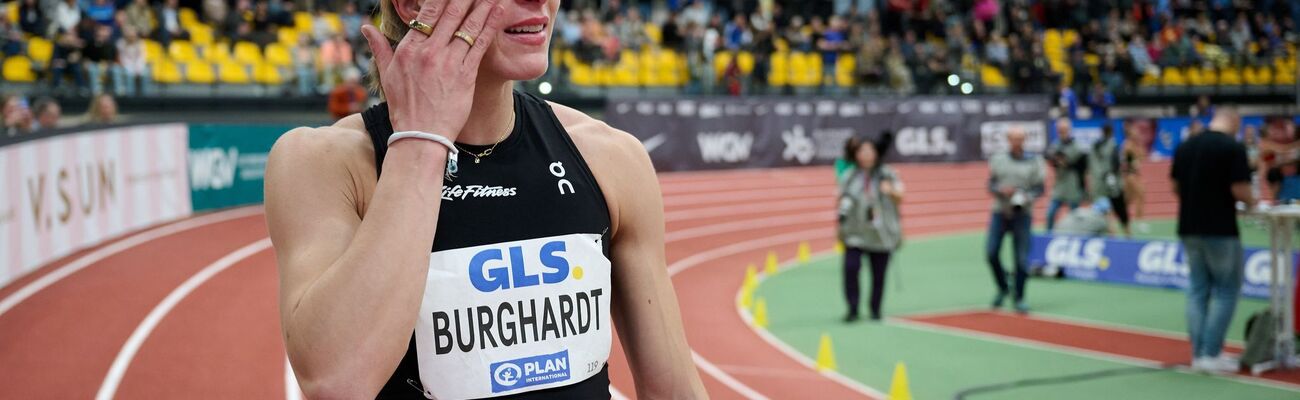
(530, 371)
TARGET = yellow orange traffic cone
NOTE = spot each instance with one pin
(805, 252)
(898, 388)
(770, 265)
(839, 247)
(760, 313)
(825, 354)
(747, 287)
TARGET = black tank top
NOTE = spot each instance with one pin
(515, 193)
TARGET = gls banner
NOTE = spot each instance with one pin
(228, 163)
(1136, 262)
(724, 133)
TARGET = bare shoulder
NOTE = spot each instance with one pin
(601, 144)
(339, 157)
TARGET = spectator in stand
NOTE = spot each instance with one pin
(169, 23)
(335, 57)
(833, 40)
(31, 17)
(134, 70)
(1070, 164)
(66, 61)
(65, 18)
(17, 116)
(631, 32)
(1015, 182)
(103, 110)
(101, 59)
(1210, 175)
(47, 113)
(12, 42)
(304, 66)
(102, 11)
(140, 17)
(242, 14)
(322, 31)
(736, 34)
(672, 33)
(351, 21)
(348, 97)
(1100, 100)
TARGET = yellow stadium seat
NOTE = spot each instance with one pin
(604, 74)
(746, 61)
(233, 73)
(646, 68)
(165, 71)
(625, 72)
(669, 67)
(18, 69)
(1209, 77)
(287, 36)
(40, 50)
(1173, 77)
(200, 72)
(779, 70)
(335, 23)
(582, 75)
(11, 12)
(655, 33)
(721, 60)
(845, 66)
(182, 51)
(201, 34)
(187, 17)
(247, 52)
(217, 52)
(798, 69)
(1149, 79)
(302, 21)
(1230, 76)
(992, 76)
(1193, 77)
(267, 74)
(1284, 76)
(278, 55)
(1258, 76)
(153, 51)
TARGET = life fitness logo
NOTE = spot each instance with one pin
(1070, 252)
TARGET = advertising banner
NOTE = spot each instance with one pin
(68, 192)
(228, 162)
(1153, 263)
(724, 133)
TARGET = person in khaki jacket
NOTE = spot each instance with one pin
(870, 193)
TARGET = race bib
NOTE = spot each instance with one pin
(514, 317)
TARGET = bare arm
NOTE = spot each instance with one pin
(645, 309)
(1241, 192)
(336, 268)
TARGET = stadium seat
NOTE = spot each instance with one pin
(287, 36)
(746, 60)
(1285, 77)
(646, 68)
(670, 67)
(267, 74)
(779, 70)
(182, 51)
(11, 12)
(247, 53)
(302, 21)
(278, 55)
(581, 75)
(992, 76)
(1149, 79)
(1173, 77)
(165, 71)
(625, 72)
(1209, 76)
(18, 69)
(201, 34)
(845, 66)
(1193, 77)
(232, 73)
(153, 51)
(799, 69)
(1258, 76)
(655, 33)
(40, 50)
(187, 17)
(200, 72)
(1229, 76)
(217, 52)
(604, 74)
(721, 60)
(335, 23)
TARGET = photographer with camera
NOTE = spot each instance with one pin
(1015, 181)
(1070, 163)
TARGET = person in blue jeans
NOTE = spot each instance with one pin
(1015, 181)
(1070, 163)
(1210, 175)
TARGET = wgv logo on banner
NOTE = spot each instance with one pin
(1137, 262)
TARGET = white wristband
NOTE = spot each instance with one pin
(452, 151)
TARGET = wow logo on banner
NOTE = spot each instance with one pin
(1151, 263)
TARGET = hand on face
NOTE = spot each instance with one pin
(428, 80)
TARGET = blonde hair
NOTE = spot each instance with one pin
(393, 28)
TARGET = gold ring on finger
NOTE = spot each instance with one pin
(464, 36)
(420, 26)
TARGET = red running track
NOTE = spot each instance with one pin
(193, 313)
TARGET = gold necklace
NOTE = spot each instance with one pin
(479, 156)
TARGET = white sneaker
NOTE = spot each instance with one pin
(1216, 365)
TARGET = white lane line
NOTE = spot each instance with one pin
(749, 208)
(123, 360)
(726, 379)
(291, 389)
(747, 224)
(614, 394)
(100, 254)
(741, 196)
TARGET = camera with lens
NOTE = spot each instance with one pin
(1018, 201)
